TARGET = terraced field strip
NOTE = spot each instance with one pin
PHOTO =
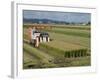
(80, 61)
(64, 46)
(74, 32)
(61, 49)
(82, 41)
(55, 52)
(38, 54)
(44, 58)
(77, 27)
(29, 59)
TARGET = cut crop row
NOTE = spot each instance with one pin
(56, 52)
(76, 53)
(44, 60)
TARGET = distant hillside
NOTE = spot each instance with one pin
(44, 21)
(48, 21)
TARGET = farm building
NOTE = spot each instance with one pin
(37, 37)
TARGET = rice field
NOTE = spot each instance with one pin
(73, 32)
(69, 46)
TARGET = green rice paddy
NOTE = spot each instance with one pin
(69, 46)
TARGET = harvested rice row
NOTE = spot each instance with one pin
(38, 54)
(65, 52)
(70, 32)
(44, 60)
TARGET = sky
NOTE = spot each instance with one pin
(58, 16)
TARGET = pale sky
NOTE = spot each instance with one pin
(59, 16)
